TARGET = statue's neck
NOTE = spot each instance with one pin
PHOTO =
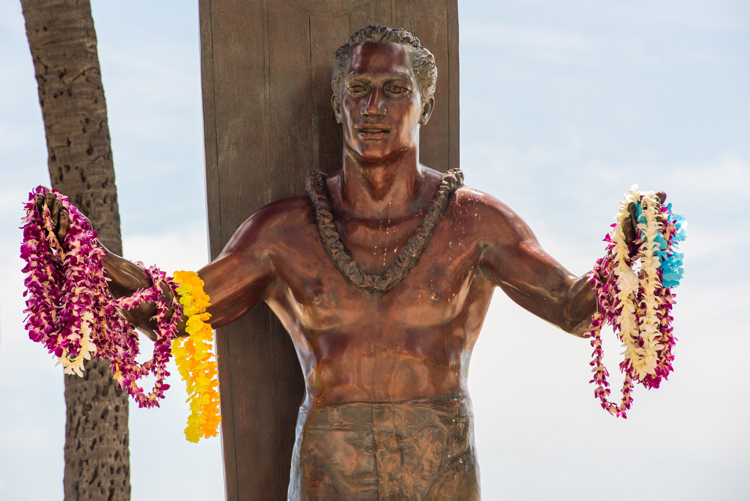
(388, 188)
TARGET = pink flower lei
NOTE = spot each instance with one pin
(637, 303)
(70, 311)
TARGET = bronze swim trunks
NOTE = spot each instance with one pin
(421, 450)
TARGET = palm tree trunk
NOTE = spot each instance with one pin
(63, 44)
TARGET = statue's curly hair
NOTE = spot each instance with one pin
(422, 61)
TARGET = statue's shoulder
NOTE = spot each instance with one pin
(466, 199)
(284, 216)
(475, 209)
(296, 204)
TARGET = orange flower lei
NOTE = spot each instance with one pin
(194, 359)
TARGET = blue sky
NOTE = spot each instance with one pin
(564, 105)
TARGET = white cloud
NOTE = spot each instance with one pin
(563, 47)
(551, 45)
(636, 50)
(718, 14)
(182, 248)
(10, 15)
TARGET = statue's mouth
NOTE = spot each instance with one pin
(374, 130)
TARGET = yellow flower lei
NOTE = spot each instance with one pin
(194, 359)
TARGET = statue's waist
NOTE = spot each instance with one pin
(373, 415)
(386, 450)
(405, 383)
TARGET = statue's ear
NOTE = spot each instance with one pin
(427, 108)
(336, 105)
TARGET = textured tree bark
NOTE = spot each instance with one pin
(63, 46)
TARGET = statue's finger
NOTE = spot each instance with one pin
(39, 202)
(50, 200)
(64, 225)
(628, 230)
(56, 208)
(633, 214)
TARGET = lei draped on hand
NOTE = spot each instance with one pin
(70, 311)
(634, 295)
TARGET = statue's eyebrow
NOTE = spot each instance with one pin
(369, 77)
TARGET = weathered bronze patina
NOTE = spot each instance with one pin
(386, 413)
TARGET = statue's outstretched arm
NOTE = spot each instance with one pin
(244, 273)
(235, 281)
(239, 277)
(124, 279)
(513, 260)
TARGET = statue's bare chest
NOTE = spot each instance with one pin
(410, 341)
(313, 295)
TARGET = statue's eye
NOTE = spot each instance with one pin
(356, 88)
(397, 89)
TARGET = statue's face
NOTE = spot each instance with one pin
(380, 107)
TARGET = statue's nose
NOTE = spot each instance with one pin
(374, 105)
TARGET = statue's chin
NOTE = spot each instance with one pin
(376, 153)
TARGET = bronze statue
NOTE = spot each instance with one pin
(382, 274)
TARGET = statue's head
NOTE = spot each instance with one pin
(383, 85)
(422, 61)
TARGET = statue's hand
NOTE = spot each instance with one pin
(124, 278)
(630, 223)
(59, 214)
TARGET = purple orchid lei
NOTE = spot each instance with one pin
(637, 305)
(70, 311)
